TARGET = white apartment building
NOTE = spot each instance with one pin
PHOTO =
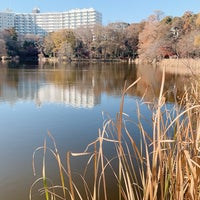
(6, 19)
(43, 23)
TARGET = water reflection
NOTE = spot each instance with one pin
(81, 85)
(33, 100)
(78, 86)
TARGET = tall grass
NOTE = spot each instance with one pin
(165, 165)
(181, 66)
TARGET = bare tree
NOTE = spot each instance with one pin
(3, 51)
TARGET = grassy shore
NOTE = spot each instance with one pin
(165, 166)
(181, 66)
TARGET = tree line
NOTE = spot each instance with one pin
(152, 39)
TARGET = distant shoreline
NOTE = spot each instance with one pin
(181, 66)
(90, 60)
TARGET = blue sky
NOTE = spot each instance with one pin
(112, 10)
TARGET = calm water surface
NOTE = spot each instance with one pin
(70, 102)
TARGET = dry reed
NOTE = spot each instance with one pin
(164, 166)
(181, 66)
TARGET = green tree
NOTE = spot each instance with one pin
(11, 40)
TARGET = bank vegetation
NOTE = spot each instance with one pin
(151, 40)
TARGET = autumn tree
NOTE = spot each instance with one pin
(48, 46)
(166, 37)
(110, 41)
(114, 41)
(186, 47)
(99, 43)
(3, 51)
(60, 43)
(148, 45)
(84, 37)
(197, 38)
(132, 39)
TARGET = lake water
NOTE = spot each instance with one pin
(71, 101)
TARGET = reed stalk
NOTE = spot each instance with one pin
(165, 165)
